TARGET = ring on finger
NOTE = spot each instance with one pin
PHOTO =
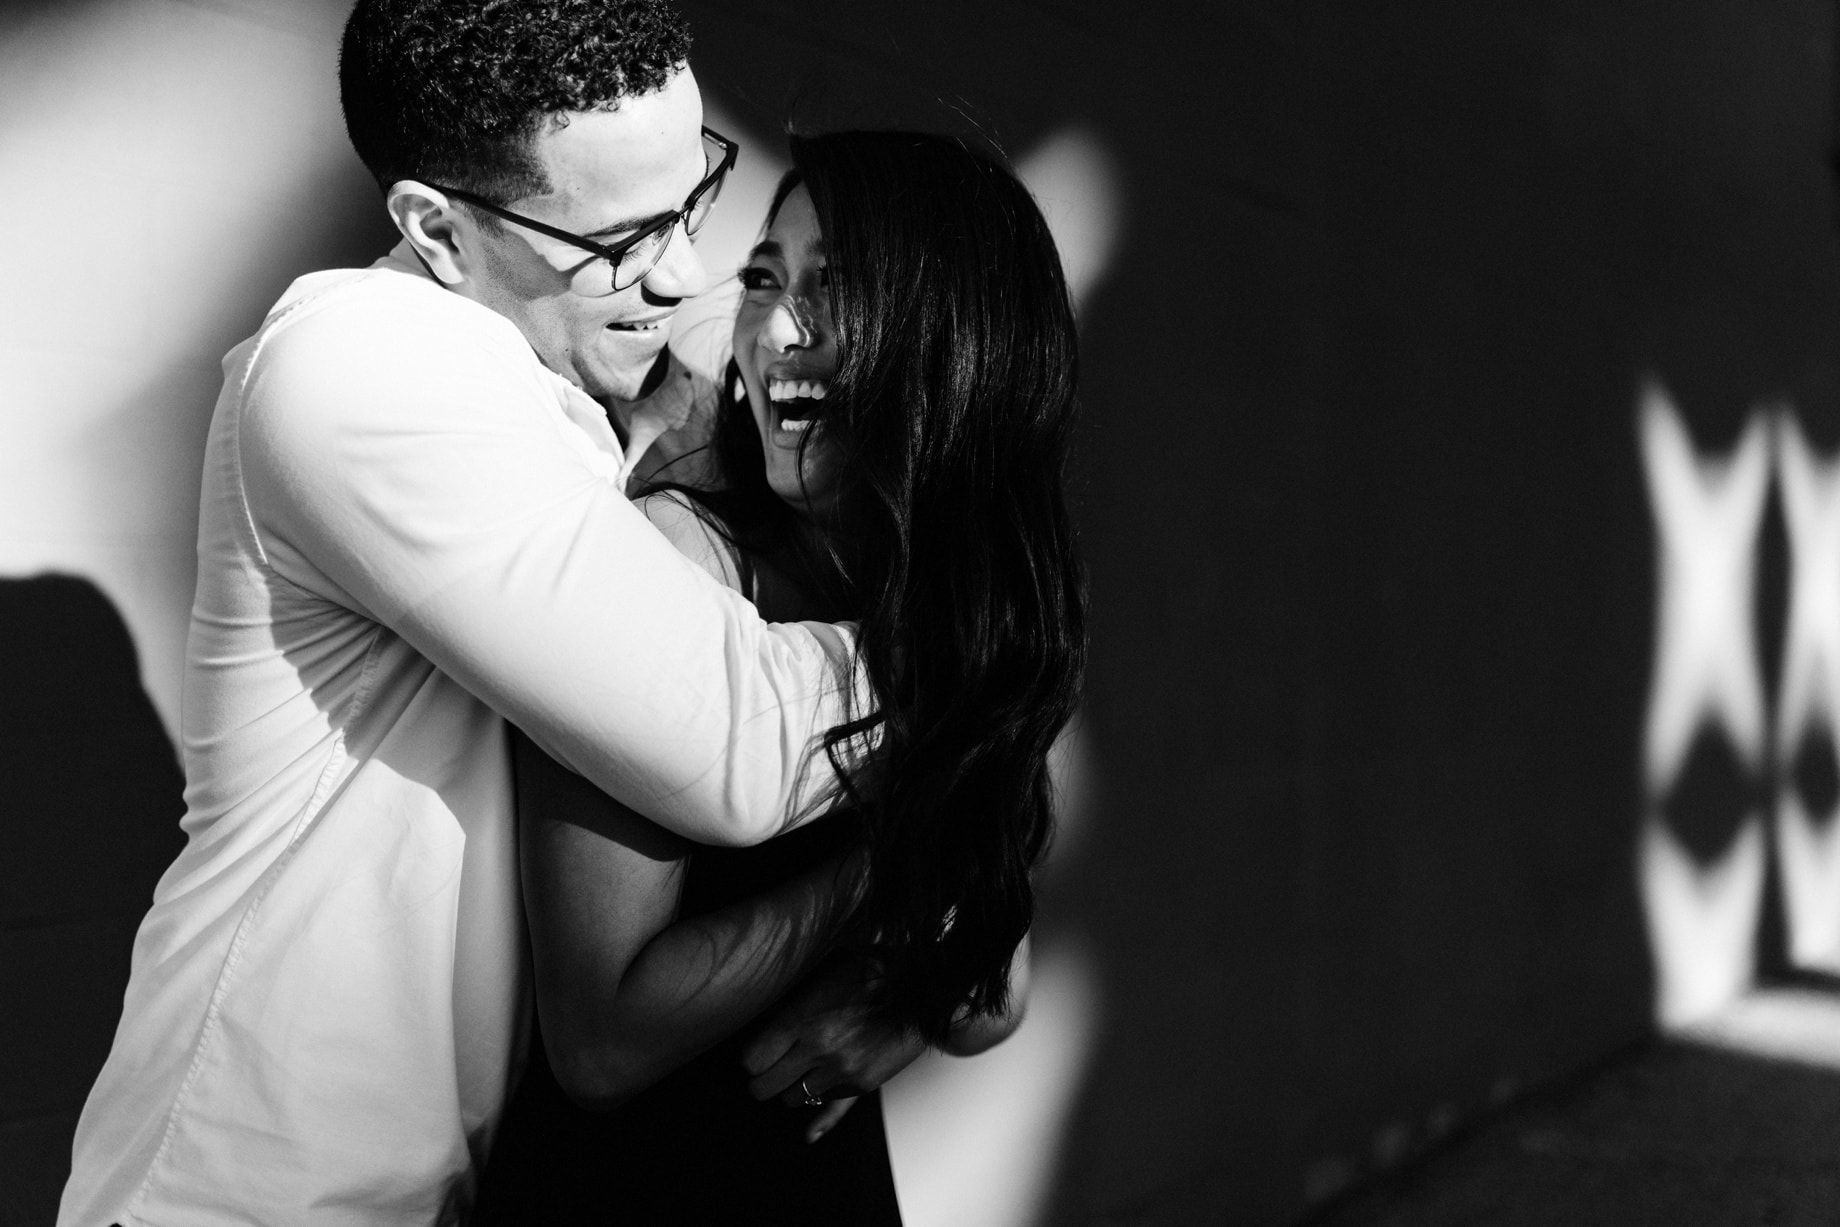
(811, 1100)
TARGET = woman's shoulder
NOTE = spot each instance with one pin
(698, 534)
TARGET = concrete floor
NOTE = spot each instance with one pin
(1733, 1123)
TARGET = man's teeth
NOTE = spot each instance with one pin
(792, 389)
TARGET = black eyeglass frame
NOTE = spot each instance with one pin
(615, 252)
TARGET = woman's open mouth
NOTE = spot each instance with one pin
(795, 401)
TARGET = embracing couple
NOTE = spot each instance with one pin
(710, 716)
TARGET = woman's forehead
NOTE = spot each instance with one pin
(794, 234)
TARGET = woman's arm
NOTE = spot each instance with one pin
(626, 991)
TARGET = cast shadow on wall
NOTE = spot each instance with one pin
(94, 795)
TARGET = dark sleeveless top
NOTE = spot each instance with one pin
(695, 1148)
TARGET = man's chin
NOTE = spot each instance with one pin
(631, 365)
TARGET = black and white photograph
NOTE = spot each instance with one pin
(1034, 613)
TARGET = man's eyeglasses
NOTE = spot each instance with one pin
(624, 264)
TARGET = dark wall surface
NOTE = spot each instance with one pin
(92, 818)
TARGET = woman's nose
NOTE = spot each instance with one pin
(787, 327)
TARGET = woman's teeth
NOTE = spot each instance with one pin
(793, 389)
(785, 395)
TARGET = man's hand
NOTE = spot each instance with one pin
(825, 1042)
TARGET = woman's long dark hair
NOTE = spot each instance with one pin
(950, 417)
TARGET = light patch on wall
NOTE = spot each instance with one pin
(166, 160)
(1808, 700)
(1708, 511)
(1702, 916)
(1799, 1025)
(1702, 921)
(974, 1140)
(1074, 182)
(163, 161)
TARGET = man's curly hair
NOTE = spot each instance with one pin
(453, 91)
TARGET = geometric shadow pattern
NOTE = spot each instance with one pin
(1707, 803)
(1814, 773)
(1727, 776)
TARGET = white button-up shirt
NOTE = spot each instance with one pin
(411, 532)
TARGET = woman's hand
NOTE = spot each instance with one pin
(826, 1041)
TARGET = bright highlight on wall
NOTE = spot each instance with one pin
(1808, 700)
(1704, 902)
(1702, 918)
(168, 167)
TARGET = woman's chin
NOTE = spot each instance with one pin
(811, 503)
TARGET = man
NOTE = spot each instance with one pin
(412, 531)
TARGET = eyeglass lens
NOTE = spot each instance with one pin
(637, 261)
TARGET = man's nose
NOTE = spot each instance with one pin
(786, 327)
(680, 272)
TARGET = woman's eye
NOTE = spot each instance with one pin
(753, 278)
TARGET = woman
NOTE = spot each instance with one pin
(890, 449)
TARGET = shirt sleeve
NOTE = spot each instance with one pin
(449, 499)
(692, 535)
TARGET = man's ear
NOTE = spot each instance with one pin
(431, 224)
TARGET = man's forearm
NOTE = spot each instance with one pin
(451, 501)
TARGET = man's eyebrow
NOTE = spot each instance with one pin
(628, 225)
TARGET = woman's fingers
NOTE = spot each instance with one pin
(806, 1087)
(781, 1079)
(832, 1112)
(769, 1048)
